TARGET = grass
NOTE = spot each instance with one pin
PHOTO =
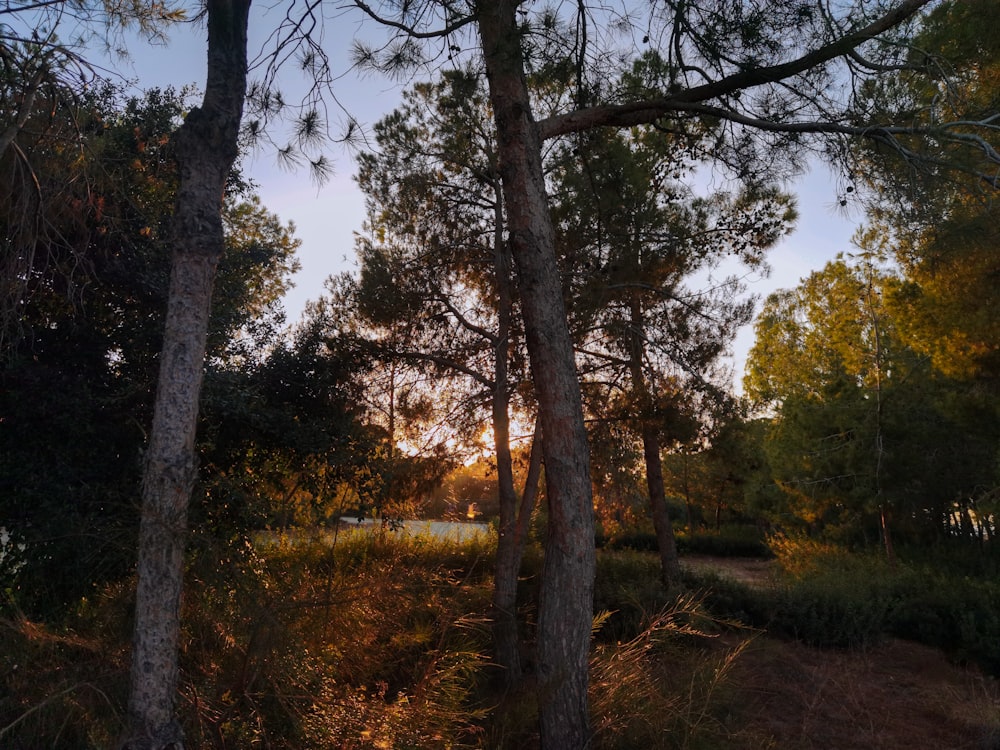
(382, 641)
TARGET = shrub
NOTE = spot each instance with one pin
(729, 541)
(957, 614)
(800, 556)
(832, 610)
(628, 586)
(636, 541)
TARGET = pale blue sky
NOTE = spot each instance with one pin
(326, 218)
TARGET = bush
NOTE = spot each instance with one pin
(636, 541)
(628, 586)
(729, 541)
(833, 610)
(957, 614)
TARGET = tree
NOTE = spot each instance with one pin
(822, 354)
(864, 433)
(765, 68)
(633, 235)
(44, 80)
(436, 271)
(77, 383)
(943, 234)
(206, 146)
(282, 437)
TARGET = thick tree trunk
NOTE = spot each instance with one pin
(566, 600)
(206, 147)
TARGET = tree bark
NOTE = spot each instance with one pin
(566, 598)
(508, 559)
(514, 522)
(670, 568)
(205, 147)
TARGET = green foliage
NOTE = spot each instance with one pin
(958, 614)
(279, 436)
(637, 541)
(628, 587)
(831, 597)
(632, 234)
(282, 440)
(863, 428)
(833, 610)
(729, 541)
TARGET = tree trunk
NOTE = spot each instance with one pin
(670, 569)
(530, 492)
(508, 562)
(206, 147)
(513, 536)
(566, 599)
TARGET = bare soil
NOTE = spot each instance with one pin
(753, 571)
(896, 696)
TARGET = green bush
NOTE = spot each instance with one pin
(729, 541)
(732, 600)
(636, 541)
(957, 614)
(832, 611)
(628, 586)
(829, 597)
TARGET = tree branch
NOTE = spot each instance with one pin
(648, 110)
(410, 31)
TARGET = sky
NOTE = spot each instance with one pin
(326, 218)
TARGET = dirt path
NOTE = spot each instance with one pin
(895, 696)
(753, 571)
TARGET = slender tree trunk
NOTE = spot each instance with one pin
(206, 147)
(514, 521)
(505, 636)
(670, 568)
(529, 495)
(882, 502)
(566, 600)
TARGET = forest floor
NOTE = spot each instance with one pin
(897, 695)
(753, 571)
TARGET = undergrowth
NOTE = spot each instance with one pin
(830, 597)
(382, 641)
